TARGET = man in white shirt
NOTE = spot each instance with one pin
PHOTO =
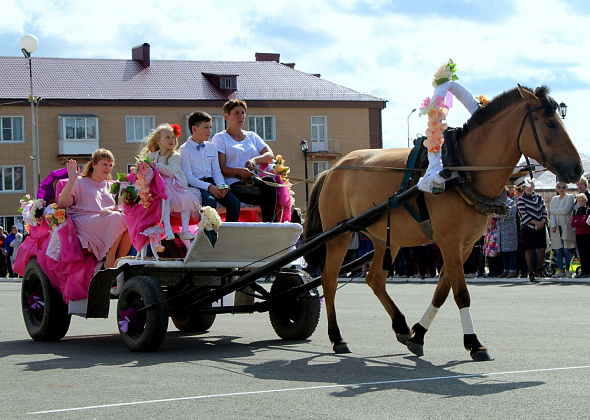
(200, 164)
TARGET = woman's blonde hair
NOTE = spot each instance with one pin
(97, 156)
(151, 142)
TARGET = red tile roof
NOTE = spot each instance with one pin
(98, 79)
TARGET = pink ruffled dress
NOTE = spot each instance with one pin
(97, 233)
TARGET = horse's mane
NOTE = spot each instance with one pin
(504, 100)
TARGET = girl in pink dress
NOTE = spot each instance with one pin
(161, 148)
(100, 227)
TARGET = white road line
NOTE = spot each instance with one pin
(272, 391)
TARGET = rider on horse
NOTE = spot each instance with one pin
(437, 109)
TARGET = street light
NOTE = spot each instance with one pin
(413, 110)
(563, 110)
(305, 149)
(29, 44)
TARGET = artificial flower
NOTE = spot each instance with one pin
(176, 129)
(446, 72)
(210, 222)
(482, 100)
(55, 216)
(32, 210)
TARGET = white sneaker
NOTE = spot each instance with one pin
(186, 236)
(169, 235)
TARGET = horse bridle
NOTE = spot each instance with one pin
(529, 114)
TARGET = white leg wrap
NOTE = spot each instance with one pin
(466, 321)
(431, 175)
(428, 316)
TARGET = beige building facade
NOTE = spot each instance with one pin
(72, 127)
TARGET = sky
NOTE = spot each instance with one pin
(386, 48)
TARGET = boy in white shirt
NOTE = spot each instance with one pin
(200, 164)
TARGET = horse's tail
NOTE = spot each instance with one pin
(313, 227)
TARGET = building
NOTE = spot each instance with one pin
(83, 104)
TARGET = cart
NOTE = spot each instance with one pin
(193, 290)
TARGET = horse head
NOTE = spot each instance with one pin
(544, 138)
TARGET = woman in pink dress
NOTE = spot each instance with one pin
(100, 227)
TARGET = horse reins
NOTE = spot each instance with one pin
(529, 115)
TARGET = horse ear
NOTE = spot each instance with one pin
(528, 96)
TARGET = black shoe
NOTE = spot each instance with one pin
(532, 277)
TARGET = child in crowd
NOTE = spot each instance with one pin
(580, 223)
(490, 249)
(161, 148)
(200, 163)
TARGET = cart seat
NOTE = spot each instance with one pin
(241, 243)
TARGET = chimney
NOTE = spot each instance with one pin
(267, 57)
(290, 65)
(141, 54)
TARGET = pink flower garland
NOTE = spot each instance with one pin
(437, 112)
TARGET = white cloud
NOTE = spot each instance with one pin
(388, 47)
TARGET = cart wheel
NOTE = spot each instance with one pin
(297, 318)
(44, 311)
(142, 329)
(193, 323)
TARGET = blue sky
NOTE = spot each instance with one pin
(388, 48)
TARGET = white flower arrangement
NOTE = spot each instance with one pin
(32, 210)
(210, 219)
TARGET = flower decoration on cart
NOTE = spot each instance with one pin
(32, 210)
(210, 222)
(55, 216)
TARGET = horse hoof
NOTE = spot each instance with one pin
(341, 348)
(403, 338)
(417, 349)
(481, 356)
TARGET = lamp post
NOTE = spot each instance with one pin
(29, 44)
(413, 110)
(305, 149)
(562, 110)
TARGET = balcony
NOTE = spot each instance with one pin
(324, 147)
(77, 147)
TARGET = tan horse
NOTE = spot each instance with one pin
(495, 136)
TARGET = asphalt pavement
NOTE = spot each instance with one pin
(537, 334)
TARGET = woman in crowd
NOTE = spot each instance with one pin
(533, 218)
(508, 236)
(240, 152)
(580, 223)
(562, 234)
(100, 226)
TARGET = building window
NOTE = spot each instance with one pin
(137, 128)
(319, 134)
(319, 166)
(7, 222)
(11, 129)
(228, 82)
(12, 179)
(78, 127)
(218, 124)
(264, 126)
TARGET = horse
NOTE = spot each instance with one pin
(515, 123)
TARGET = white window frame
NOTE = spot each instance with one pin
(148, 123)
(17, 220)
(261, 131)
(319, 166)
(62, 127)
(319, 134)
(217, 124)
(20, 120)
(13, 188)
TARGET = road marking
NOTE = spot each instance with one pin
(273, 391)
